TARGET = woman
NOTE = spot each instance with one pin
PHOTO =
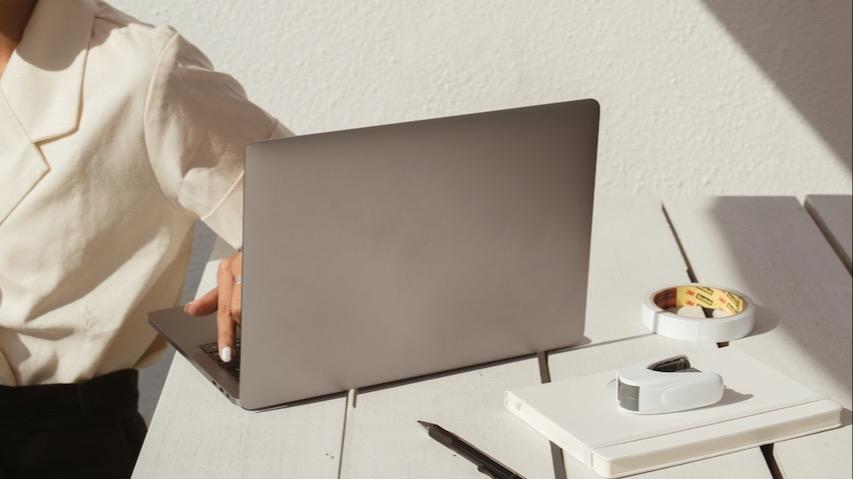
(115, 136)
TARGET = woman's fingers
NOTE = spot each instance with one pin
(226, 300)
(204, 305)
(224, 323)
(236, 295)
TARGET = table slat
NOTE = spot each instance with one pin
(633, 251)
(383, 438)
(816, 455)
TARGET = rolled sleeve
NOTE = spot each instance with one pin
(197, 124)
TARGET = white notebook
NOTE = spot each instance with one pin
(760, 406)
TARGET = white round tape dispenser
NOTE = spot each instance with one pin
(667, 384)
(733, 313)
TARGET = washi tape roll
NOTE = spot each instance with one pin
(734, 315)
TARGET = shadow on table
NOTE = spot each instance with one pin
(801, 289)
(766, 320)
(730, 396)
(427, 377)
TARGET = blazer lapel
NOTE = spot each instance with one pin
(21, 163)
(40, 93)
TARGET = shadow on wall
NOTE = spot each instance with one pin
(804, 48)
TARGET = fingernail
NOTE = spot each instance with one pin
(225, 354)
(187, 307)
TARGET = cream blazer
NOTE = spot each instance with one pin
(115, 136)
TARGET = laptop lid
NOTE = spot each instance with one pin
(389, 252)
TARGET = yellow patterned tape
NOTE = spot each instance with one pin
(698, 295)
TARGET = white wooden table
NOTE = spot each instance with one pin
(771, 248)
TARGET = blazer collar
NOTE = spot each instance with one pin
(44, 77)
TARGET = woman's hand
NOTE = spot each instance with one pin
(225, 299)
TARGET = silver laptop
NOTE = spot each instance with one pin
(391, 252)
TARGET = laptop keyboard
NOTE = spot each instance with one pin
(233, 367)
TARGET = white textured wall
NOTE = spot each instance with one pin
(713, 96)
(709, 96)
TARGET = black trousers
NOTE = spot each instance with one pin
(86, 430)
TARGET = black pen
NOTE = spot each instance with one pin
(484, 463)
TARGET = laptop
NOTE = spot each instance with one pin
(391, 252)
